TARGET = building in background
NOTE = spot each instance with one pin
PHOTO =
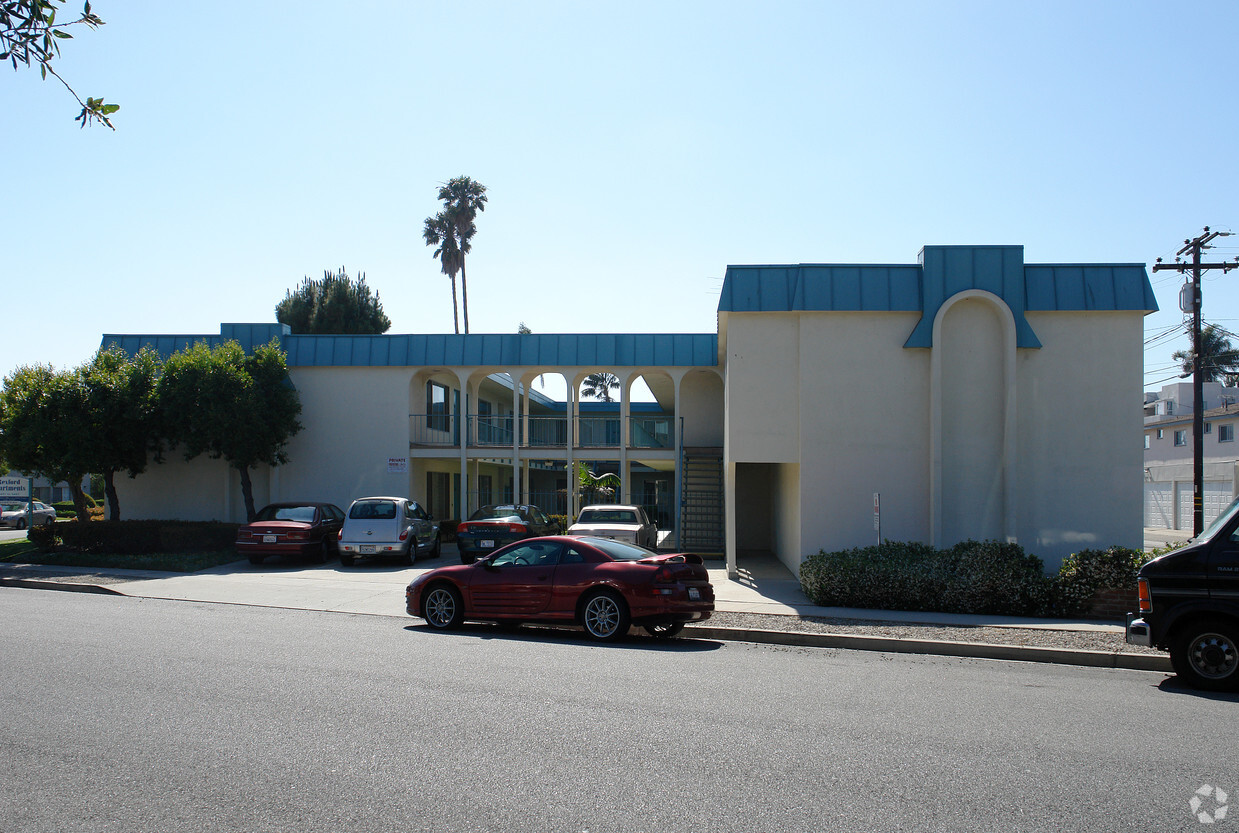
(967, 395)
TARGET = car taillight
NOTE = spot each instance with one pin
(404, 534)
(243, 534)
(297, 535)
(1146, 599)
(340, 534)
(519, 529)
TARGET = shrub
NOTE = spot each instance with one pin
(447, 530)
(971, 577)
(561, 521)
(43, 536)
(66, 509)
(1085, 572)
(137, 537)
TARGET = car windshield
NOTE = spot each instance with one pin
(496, 513)
(621, 551)
(304, 514)
(13, 507)
(372, 510)
(1221, 520)
(607, 516)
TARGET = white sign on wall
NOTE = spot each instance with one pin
(397, 465)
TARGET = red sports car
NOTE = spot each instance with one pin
(602, 585)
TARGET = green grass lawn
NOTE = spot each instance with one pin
(23, 552)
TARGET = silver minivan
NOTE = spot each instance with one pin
(391, 527)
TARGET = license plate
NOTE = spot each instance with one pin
(486, 544)
(268, 539)
(367, 548)
(694, 594)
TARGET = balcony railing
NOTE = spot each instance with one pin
(651, 432)
(434, 430)
(443, 431)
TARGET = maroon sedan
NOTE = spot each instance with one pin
(602, 585)
(297, 530)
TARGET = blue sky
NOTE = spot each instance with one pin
(631, 151)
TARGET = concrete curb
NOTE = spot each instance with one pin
(976, 650)
(64, 586)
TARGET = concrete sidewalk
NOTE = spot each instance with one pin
(763, 586)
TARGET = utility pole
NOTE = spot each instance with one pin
(1195, 246)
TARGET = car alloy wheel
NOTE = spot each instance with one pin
(605, 616)
(21, 524)
(442, 608)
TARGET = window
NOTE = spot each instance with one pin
(1146, 441)
(438, 494)
(1180, 437)
(436, 406)
(1208, 427)
(1226, 433)
(484, 489)
(1160, 434)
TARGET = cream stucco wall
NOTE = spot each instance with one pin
(761, 393)
(1040, 446)
(1080, 450)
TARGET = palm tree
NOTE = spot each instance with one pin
(1218, 357)
(599, 386)
(441, 231)
(462, 199)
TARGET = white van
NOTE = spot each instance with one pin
(392, 527)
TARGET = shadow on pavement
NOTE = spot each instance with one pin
(549, 635)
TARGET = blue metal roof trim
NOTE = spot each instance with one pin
(1089, 286)
(440, 350)
(822, 288)
(949, 270)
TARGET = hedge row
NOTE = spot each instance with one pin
(135, 537)
(987, 577)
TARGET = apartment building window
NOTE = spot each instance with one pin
(1160, 434)
(1146, 441)
(1208, 427)
(1180, 437)
(1226, 433)
(436, 406)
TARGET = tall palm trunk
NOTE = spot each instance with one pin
(455, 316)
(464, 293)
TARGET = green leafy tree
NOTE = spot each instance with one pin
(225, 404)
(30, 35)
(333, 305)
(452, 231)
(44, 419)
(1218, 357)
(599, 386)
(119, 397)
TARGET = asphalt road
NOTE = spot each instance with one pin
(120, 714)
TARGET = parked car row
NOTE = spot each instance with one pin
(601, 576)
(380, 527)
(396, 527)
(16, 514)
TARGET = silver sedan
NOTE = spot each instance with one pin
(17, 515)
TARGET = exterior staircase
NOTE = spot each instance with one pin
(701, 501)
